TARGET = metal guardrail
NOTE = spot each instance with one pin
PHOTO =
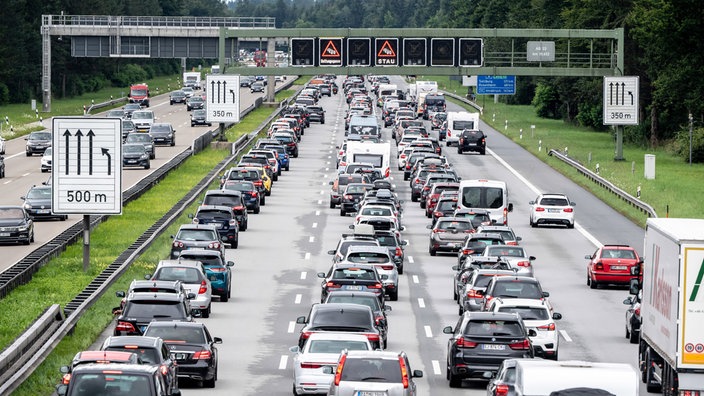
(27, 352)
(105, 104)
(630, 199)
(158, 21)
(465, 100)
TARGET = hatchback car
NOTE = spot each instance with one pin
(470, 286)
(45, 163)
(191, 274)
(127, 128)
(138, 309)
(37, 203)
(611, 264)
(515, 256)
(199, 117)
(218, 271)
(192, 347)
(250, 193)
(144, 139)
(223, 217)
(233, 199)
(102, 357)
(340, 317)
(480, 341)
(16, 226)
(351, 277)
(110, 379)
(374, 373)
(513, 287)
(321, 350)
(196, 236)
(163, 133)
(552, 209)
(135, 154)
(448, 235)
(37, 142)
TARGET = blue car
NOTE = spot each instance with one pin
(218, 271)
(284, 161)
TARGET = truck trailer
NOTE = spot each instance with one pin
(671, 347)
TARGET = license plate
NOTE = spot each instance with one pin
(353, 287)
(131, 161)
(452, 245)
(213, 278)
(553, 210)
(181, 356)
(370, 393)
(43, 211)
(619, 267)
(494, 347)
(4, 234)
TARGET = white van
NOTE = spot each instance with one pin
(457, 121)
(490, 195)
(538, 377)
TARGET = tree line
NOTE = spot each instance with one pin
(663, 47)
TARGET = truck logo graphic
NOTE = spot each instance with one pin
(697, 283)
(661, 292)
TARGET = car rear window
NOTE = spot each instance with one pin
(554, 202)
(224, 200)
(354, 273)
(368, 257)
(376, 212)
(386, 240)
(154, 309)
(447, 205)
(618, 253)
(148, 355)
(197, 235)
(505, 251)
(183, 274)
(186, 335)
(483, 280)
(528, 313)
(249, 186)
(112, 383)
(336, 346)
(517, 289)
(342, 317)
(208, 214)
(491, 328)
(454, 225)
(376, 370)
(371, 302)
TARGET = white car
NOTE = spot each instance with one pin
(367, 212)
(321, 350)
(2, 145)
(552, 209)
(46, 160)
(515, 256)
(537, 316)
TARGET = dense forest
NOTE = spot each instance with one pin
(663, 46)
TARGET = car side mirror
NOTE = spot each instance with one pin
(429, 226)
(387, 308)
(628, 300)
(531, 258)
(402, 228)
(301, 320)
(546, 294)
(510, 207)
(531, 202)
(532, 333)
(217, 340)
(320, 274)
(448, 330)
(556, 316)
(61, 390)
(295, 349)
(487, 375)
(635, 270)
(404, 242)
(147, 276)
(230, 264)
(331, 252)
(573, 204)
(456, 267)
(120, 293)
(191, 296)
(195, 312)
(381, 322)
(417, 374)
(518, 239)
(23, 198)
(64, 369)
(331, 183)
(327, 369)
(634, 287)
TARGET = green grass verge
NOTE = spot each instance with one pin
(676, 187)
(62, 278)
(22, 118)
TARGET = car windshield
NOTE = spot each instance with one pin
(160, 128)
(367, 257)
(111, 383)
(177, 334)
(138, 137)
(505, 251)
(336, 346)
(372, 370)
(142, 115)
(148, 356)
(183, 274)
(448, 205)
(528, 313)
(40, 136)
(39, 193)
(490, 328)
(133, 148)
(11, 213)
(515, 289)
(196, 235)
(154, 309)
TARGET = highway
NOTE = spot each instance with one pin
(285, 246)
(23, 172)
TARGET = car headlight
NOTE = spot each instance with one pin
(144, 156)
(27, 206)
(23, 228)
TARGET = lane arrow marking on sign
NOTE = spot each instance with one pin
(106, 152)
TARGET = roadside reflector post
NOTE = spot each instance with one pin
(86, 242)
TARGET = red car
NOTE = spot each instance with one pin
(434, 195)
(611, 264)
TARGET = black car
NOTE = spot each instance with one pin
(340, 317)
(370, 300)
(101, 379)
(194, 236)
(472, 140)
(223, 218)
(127, 128)
(144, 139)
(481, 341)
(135, 154)
(351, 277)
(192, 347)
(256, 87)
(317, 114)
(198, 117)
(140, 309)
(37, 142)
(246, 81)
(233, 199)
(195, 102)
(163, 133)
(153, 352)
(2, 167)
(245, 174)
(353, 193)
(16, 225)
(37, 203)
(177, 97)
(250, 193)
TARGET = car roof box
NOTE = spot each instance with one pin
(364, 230)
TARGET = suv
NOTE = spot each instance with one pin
(481, 341)
(351, 277)
(218, 271)
(612, 264)
(513, 287)
(394, 244)
(476, 244)
(191, 274)
(37, 142)
(340, 317)
(552, 209)
(448, 234)
(144, 139)
(142, 308)
(379, 308)
(230, 198)
(190, 236)
(101, 379)
(153, 352)
(374, 373)
(317, 113)
(471, 283)
(472, 140)
(224, 218)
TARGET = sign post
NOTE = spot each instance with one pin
(86, 175)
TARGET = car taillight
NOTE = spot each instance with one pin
(523, 345)
(307, 365)
(404, 372)
(399, 252)
(471, 293)
(402, 156)
(375, 286)
(378, 320)
(387, 173)
(356, 219)
(467, 252)
(437, 214)
(332, 285)
(449, 132)
(408, 166)
(599, 265)
(568, 210)
(292, 144)
(539, 209)
(348, 196)
(164, 370)
(462, 343)
(637, 311)
(125, 326)
(217, 269)
(195, 220)
(416, 181)
(437, 230)
(254, 194)
(387, 267)
(306, 334)
(203, 287)
(258, 183)
(338, 372)
(512, 243)
(547, 327)
(202, 355)
(523, 263)
(178, 244)
(505, 216)
(238, 208)
(66, 378)
(426, 188)
(214, 245)
(501, 390)
(373, 337)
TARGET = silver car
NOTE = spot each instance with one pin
(191, 273)
(516, 256)
(380, 258)
(321, 350)
(373, 373)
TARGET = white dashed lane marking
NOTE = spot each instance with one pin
(283, 362)
(421, 303)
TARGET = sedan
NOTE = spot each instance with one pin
(611, 264)
(257, 87)
(16, 225)
(134, 154)
(552, 209)
(193, 348)
(37, 203)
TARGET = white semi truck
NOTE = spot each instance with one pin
(671, 349)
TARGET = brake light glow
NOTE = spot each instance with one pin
(523, 263)
(637, 311)
(203, 287)
(164, 370)
(501, 390)
(467, 252)
(599, 265)
(374, 286)
(568, 210)
(437, 230)
(202, 355)
(462, 343)
(539, 209)
(523, 345)
(399, 252)
(547, 327)
(387, 267)
(471, 293)
(217, 269)
(404, 372)
(338, 372)
(505, 216)
(125, 326)
(66, 379)
(309, 365)
(348, 196)
(332, 285)
(239, 207)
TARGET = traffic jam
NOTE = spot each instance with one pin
(341, 345)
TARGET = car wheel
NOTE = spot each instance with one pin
(244, 226)
(263, 201)
(287, 168)
(414, 198)
(432, 252)
(147, 166)
(460, 310)
(276, 177)
(483, 152)
(209, 383)
(294, 391)
(400, 269)
(192, 125)
(173, 142)
(332, 205)
(633, 337)
(589, 280)
(428, 214)
(455, 296)
(393, 296)
(459, 150)
(235, 244)
(205, 312)
(257, 209)
(455, 381)
(28, 154)
(342, 212)
(570, 225)
(295, 155)
(224, 297)
(447, 144)
(64, 217)
(322, 121)
(422, 204)
(649, 385)
(152, 156)
(552, 357)
(268, 193)
(532, 224)
(593, 284)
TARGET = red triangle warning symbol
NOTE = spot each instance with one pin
(330, 51)
(386, 51)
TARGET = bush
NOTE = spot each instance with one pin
(697, 145)
(546, 101)
(590, 115)
(4, 94)
(129, 74)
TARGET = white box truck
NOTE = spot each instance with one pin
(191, 79)
(671, 349)
(377, 154)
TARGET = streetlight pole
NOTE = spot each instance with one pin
(691, 122)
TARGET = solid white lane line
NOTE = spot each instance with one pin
(304, 275)
(415, 279)
(291, 326)
(311, 239)
(298, 299)
(410, 259)
(283, 362)
(307, 256)
(7, 182)
(421, 303)
(565, 336)
(428, 331)
(436, 367)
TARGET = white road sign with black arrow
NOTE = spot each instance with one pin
(86, 172)
(222, 103)
(621, 100)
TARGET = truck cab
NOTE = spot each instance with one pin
(139, 93)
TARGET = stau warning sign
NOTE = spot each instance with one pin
(386, 50)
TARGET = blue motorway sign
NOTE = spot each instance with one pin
(496, 85)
